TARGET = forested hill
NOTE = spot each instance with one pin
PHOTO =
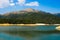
(29, 16)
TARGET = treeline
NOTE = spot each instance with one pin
(31, 17)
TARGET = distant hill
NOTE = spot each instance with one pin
(29, 16)
(57, 14)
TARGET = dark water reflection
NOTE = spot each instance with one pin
(36, 35)
(29, 33)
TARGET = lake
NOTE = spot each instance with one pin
(29, 33)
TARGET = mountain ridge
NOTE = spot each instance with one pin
(27, 10)
(30, 17)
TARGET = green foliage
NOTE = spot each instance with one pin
(30, 17)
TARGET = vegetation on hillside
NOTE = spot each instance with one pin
(30, 17)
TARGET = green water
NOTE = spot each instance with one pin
(29, 33)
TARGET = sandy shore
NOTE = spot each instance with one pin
(23, 24)
(58, 28)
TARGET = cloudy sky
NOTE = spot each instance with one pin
(52, 6)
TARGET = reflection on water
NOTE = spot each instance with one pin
(26, 28)
(4, 36)
(34, 33)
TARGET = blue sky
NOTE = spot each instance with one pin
(52, 6)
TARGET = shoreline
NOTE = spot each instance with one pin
(26, 24)
(22, 24)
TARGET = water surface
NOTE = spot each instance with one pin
(29, 33)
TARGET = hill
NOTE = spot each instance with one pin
(57, 14)
(28, 16)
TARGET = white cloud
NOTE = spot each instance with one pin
(12, 4)
(4, 3)
(21, 2)
(35, 3)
